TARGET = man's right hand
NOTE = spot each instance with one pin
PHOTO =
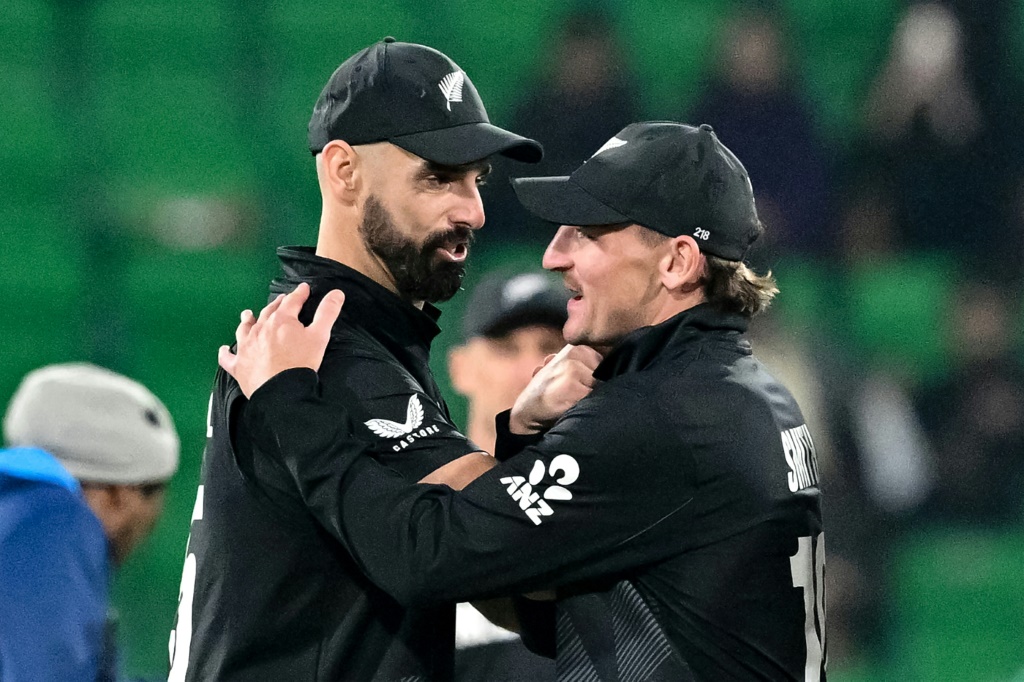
(560, 383)
(276, 340)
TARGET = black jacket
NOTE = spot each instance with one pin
(675, 508)
(269, 591)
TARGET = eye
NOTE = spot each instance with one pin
(436, 181)
(583, 233)
(481, 180)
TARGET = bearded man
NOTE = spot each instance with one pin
(401, 141)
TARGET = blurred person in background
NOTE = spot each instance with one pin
(975, 417)
(582, 94)
(946, 148)
(400, 141)
(512, 323)
(89, 453)
(754, 99)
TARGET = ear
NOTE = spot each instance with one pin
(339, 170)
(681, 268)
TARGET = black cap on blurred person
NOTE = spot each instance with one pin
(502, 303)
(669, 177)
(415, 98)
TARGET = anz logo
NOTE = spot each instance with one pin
(532, 497)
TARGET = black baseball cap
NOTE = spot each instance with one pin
(502, 303)
(416, 98)
(669, 177)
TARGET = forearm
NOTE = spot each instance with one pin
(517, 528)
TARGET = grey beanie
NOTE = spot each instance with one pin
(102, 426)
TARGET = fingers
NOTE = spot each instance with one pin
(269, 309)
(587, 355)
(292, 303)
(327, 312)
(543, 364)
(242, 331)
(227, 360)
(562, 353)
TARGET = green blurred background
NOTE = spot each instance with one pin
(153, 154)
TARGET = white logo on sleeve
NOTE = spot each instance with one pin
(407, 431)
(563, 468)
(451, 87)
(798, 448)
(385, 428)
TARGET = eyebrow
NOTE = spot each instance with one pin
(433, 168)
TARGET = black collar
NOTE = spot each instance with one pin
(382, 313)
(684, 331)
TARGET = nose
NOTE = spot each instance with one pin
(470, 209)
(556, 256)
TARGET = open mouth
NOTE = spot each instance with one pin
(455, 250)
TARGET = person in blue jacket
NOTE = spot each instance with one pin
(82, 479)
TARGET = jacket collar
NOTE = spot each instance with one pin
(676, 335)
(369, 305)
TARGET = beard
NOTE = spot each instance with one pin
(420, 274)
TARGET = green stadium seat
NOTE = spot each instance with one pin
(25, 27)
(841, 44)
(672, 43)
(498, 58)
(804, 300)
(895, 310)
(145, 35)
(959, 606)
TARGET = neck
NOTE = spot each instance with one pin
(676, 303)
(480, 428)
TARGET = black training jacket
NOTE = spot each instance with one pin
(676, 509)
(269, 591)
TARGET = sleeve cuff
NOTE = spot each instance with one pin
(274, 399)
(508, 444)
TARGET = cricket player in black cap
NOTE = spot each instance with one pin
(401, 141)
(675, 508)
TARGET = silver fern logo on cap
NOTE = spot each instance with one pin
(451, 87)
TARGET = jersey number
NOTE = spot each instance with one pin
(181, 636)
(808, 567)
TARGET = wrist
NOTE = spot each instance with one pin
(519, 427)
(508, 444)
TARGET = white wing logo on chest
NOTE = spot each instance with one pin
(385, 428)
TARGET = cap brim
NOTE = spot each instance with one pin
(561, 201)
(470, 142)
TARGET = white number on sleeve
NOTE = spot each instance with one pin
(808, 566)
(181, 635)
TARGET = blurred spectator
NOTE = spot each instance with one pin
(755, 104)
(583, 96)
(512, 323)
(81, 485)
(976, 417)
(927, 128)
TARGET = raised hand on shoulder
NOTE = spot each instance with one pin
(276, 340)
